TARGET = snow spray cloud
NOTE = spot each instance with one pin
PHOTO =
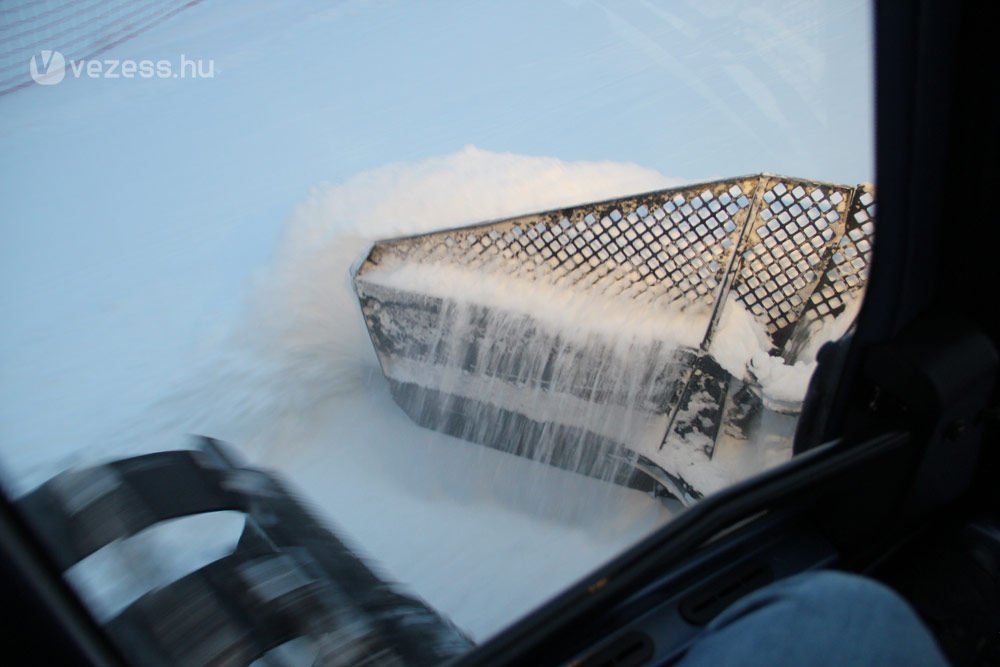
(303, 341)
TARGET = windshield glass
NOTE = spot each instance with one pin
(490, 291)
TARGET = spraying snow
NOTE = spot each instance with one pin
(481, 535)
(741, 345)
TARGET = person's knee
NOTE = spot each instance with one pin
(820, 618)
(824, 596)
(823, 587)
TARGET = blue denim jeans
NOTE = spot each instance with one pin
(817, 618)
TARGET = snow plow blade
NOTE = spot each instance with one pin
(600, 338)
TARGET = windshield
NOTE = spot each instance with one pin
(491, 292)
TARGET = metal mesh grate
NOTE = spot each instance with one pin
(847, 271)
(792, 235)
(661, 247)
(845, 274)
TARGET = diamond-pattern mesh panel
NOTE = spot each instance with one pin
(663, 247)
(847, 271)
(792, 235)
(844, 276)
